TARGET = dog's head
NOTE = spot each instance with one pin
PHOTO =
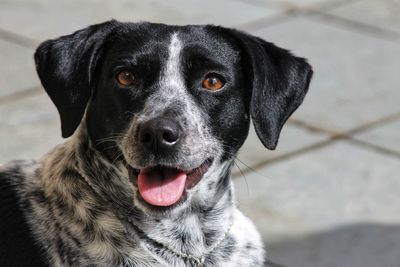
(173, 102)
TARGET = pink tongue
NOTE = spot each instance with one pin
(161, 187)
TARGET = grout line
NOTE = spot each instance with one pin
(32, 91)
(286, 156)
(313, 147)
(272, 264)
(376, 148)
(375, 123)
(261, 3)
(332, 4)
(313, 128)
(290, 11)
(334, 137)
(346, 133)
(287, 4)
(268, 21)
(18, 39)
(355, 26)
(319, 12)
(279, 4)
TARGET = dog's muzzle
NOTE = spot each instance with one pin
(162, 181)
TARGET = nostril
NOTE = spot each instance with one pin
(170, 136)
(145, 137)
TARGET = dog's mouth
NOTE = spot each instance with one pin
(164, 186)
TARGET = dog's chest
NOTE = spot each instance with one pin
(238, 248)
(116, 246)
(86, 231)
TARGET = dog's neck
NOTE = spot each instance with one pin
(192, 229)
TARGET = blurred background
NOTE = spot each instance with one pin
(330, 194)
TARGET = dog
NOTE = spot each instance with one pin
(155, 116)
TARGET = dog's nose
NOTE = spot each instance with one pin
(159, 134)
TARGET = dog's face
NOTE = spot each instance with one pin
(173, 103)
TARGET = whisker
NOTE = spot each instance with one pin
(238, 159)
(253, 170)
(113, 138)
(110, 147)
(117, 155)
(244, 176)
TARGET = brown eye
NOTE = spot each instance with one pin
(213, 82)
(126, 78)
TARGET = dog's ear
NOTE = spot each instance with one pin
(279, 84)
(65, 67)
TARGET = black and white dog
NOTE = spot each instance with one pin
(156, 115)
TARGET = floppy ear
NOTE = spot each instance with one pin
(279, 84)
(65, 66)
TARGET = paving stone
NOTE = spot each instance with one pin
(293, 3)
(377, 13)
(360, 245)
(338, 186)
(29, 128)
(53, 18)
(253, 152)
(356, 75)
(17, 68)
(386, 136)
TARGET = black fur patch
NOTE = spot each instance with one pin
(17, 246)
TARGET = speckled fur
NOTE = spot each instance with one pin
(82, 225)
